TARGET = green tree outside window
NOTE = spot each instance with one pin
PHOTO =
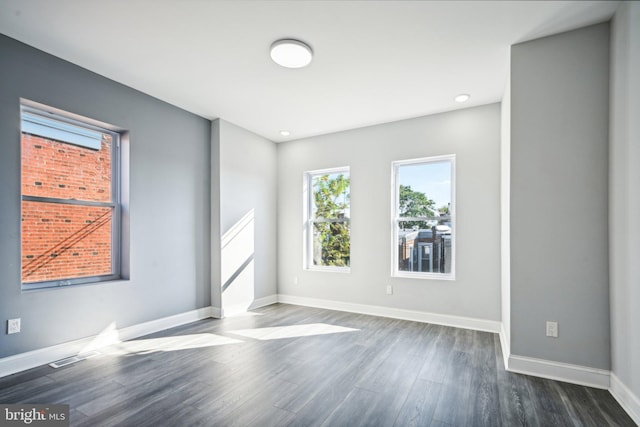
(331, 233)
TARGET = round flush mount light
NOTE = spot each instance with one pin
(463, 97)
(285, 133)
(291, 53)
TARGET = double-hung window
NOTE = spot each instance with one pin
(423, 212)
(70, 200)
(327, 206)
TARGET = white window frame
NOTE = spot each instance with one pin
(395, 218)
(54, 124)
(307, 240)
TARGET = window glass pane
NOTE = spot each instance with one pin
(424, 216)
(327, 233)
(331, 244)
(331, 196)
(59, 170)
(62, 241)
(70, 200)
(424, 189)
(424, 249)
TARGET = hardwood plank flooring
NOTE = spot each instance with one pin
(284, 365)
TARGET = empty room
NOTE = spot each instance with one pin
(319, 213)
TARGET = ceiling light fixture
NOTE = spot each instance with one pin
(285, 133)
(463, 97)
(291, 53)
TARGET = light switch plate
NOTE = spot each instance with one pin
(13, 326)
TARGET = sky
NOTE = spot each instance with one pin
(432, 179)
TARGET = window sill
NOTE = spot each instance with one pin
(428, 276)
(48, 286)
(343, 270)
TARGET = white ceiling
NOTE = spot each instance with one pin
(375, 61)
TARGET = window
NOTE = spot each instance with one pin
(70, 201)
(327, 210)
(424, 218)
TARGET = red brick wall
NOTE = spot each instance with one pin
(65, 241)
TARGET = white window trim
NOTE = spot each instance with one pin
(395, 198)
(307, 226)
(31, 110)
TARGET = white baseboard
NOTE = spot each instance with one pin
(31, 359)
(626, 398)
(216, 312)
(161, 324)
(236, 309)
(575, 374)
(264, 301)
(395, 313)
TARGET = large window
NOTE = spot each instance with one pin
(424, 218)
(327, 211)
(70, 201)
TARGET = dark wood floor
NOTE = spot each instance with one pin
(312, 368)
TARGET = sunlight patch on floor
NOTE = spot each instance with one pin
(181, 342)
(242, 314)
(293, 331)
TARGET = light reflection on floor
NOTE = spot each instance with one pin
(293, 331)
(181, 342)
(108, 342)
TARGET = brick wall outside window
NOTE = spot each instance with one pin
(63, 241)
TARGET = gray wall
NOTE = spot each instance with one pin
(169, 205)
(248, 191)
(624, 196)
(472, 134)
(559, 231)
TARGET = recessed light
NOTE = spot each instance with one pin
(285, 133)
(291, 53)
(463, 97)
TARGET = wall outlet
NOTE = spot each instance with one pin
(13, 326)
(295, 280)
(552, 329)
(389, 290)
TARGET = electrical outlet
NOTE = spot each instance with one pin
(552, 329)
(295, 280)
(13, 326)
(389, 290)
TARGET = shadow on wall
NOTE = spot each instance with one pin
(237, 265)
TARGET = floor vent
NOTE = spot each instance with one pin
(73, 359)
